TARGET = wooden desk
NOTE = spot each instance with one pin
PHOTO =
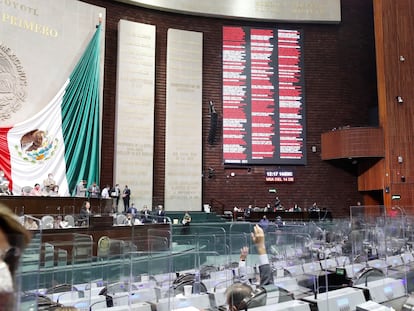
(30, 205)
(148, 237)
(255, 216)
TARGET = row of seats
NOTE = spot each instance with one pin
(152, 293)
(69, 221)
(394, 261)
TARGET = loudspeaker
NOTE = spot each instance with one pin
(213, 127)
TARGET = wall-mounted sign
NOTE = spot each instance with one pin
(395, 197)
(279, 176)
(263, 96)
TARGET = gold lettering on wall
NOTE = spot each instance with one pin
(43, 30)
(14, 19)
(20, 7)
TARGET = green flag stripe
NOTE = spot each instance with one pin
(81, 117)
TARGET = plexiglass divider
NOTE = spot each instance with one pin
(371, 252)
(27, 278)
(378, 238)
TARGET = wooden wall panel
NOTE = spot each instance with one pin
(395, 54)
(355, 142)
(371, 175)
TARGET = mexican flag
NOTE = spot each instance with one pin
(64, 137)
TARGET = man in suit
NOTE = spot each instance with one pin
(145, 215)
(132, 210)
(160, 214)
(126, 196)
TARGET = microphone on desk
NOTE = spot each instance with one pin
(315, 288)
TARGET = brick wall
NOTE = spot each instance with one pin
(340, 88)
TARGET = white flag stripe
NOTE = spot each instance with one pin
(32, 167)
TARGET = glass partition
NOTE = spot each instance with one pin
(168, 269)
(379, 241)
(28, 277)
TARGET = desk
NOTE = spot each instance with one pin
(139, 235)
(320, 215)
(255, 216)
(336, 300)
(31, 205)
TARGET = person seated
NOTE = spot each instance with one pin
(264, 223)
(248, 211)
(145, 215)
(186, 219)
(84, 214)
(279, 221)
(236, 209)
(55, 191)
(314, 207)
(4, 184)
(30, 224)
(36, 191)
(186, 223)
(129, 220)
(132, 210)
(237, 294)
(161, 214)
(296, 208)
(60, 223)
